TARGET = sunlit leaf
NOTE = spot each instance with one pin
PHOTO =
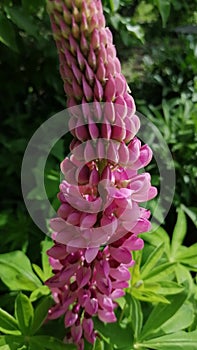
(161, 313)
(16, 272)
(175, 341)
(8, 324)
(152, 260)
(179, 232)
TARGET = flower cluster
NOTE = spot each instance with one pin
(100, 214)
(82, 289)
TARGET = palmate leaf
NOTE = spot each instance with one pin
(175, 341)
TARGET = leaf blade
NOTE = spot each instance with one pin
(24, 313)
(8, 324)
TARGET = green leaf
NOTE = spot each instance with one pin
(39, 293)
(191, 212)
(155, 237)
(8, 324)
(33, 5)
(16, 272)
(152, 260)
(175, 341)
(22, 19)
(40, 313)
(38, 271)
(160, 272)
(47, 270)
(24, 313)
(182, 319)
(98, 345)
(114, 5)
(149, 296)
(7, 33)
(179, 232)
(50, 343)
(169, 287)
(184, 277)
(10, 342)
(160, 314)
(136, 315)
(121, 337)
(164, 10)
(136, 30)
(188, 256)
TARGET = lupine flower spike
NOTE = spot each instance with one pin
(100, 216)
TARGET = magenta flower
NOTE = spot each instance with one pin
(100, 214)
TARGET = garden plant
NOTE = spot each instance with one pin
(98, 246)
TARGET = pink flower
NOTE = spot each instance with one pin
(100, 216)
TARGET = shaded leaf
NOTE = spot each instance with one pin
(191, 212)
(10, 342)
(22, 19)
(7, 33)
(121, 337)
(24, 313)
(41, 313)
(50, 343)
(114, 5)
(164, 10)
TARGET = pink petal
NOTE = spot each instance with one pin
(106, 316)
(91, 254)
